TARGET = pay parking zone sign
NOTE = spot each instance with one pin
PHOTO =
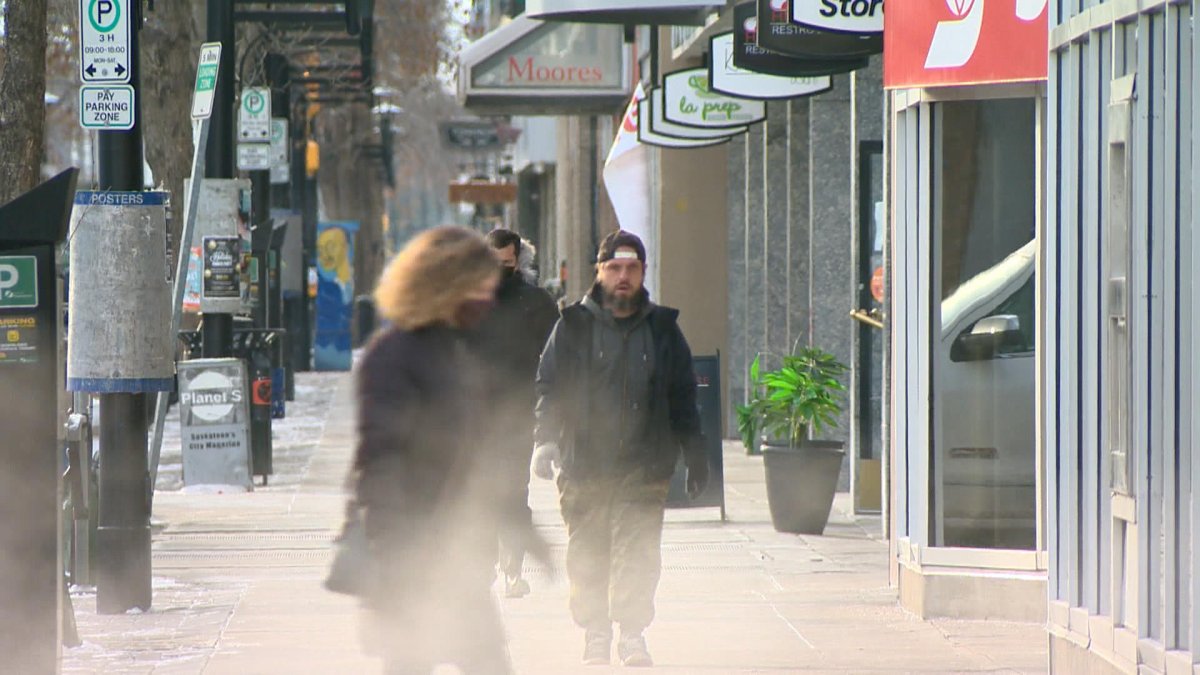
(107, 108)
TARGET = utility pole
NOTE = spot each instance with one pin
(123, 537)
(217, 331)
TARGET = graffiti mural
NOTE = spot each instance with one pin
(335, 295)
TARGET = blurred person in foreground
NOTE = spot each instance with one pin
(510, 342)
(616, 407)
(421, 468)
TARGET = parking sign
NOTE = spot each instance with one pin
(104, 41)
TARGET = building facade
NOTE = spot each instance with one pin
(1118, 396)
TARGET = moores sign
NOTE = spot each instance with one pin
(534, 67)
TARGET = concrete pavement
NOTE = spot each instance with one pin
(238, 586)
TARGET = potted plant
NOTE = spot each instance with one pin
(803, 397)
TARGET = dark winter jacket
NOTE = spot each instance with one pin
(417, 398)
(572, 374)
(510, 343)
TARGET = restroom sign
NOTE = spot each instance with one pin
(104, 41)
(18, 282)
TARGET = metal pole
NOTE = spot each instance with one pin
(218, 328)
(123, 535)
(180, 285)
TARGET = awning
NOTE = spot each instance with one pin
(538, 68)
(625, 12)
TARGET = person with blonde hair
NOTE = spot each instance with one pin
(421, 468)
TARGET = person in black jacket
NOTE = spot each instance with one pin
(616, 407)
(510, 343)
(422, 471)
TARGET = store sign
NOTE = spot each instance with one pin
(847, 16)
(470, 135)
(647, 134)
(726, 78)
(749, 54)
(545, 68)
(959, 42)
(774, 31)
(625, 12)
(688, 100)
(661, 127)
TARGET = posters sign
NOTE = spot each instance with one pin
(215, 422)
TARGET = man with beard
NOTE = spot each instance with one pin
(616, 407)
(510, 342)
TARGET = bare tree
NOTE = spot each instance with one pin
(170, 44)
(22, 97)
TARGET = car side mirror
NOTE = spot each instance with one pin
(989, 337)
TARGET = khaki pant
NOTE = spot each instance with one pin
(614, 549)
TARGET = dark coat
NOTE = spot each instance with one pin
(423, 477)
(510, 343)
(565, 412)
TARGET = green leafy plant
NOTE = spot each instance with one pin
(805, 394)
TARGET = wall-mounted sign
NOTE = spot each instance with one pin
(647, 135)
(727, 78)
(774, 31)
(749, 54)
(688, 100)
(846, 16)
(534, 67)
(470, 135)
(625, 12)
(961, 42)
(661, 127)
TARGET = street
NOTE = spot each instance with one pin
(237, 583)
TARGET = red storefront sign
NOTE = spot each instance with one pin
(930, 43)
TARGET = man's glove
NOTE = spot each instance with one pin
(697, 476)
(546, 457)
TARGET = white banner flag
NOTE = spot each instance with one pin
(627, 181)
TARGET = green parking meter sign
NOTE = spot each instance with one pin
(18, 282)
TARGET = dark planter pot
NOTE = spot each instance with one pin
(801, 483)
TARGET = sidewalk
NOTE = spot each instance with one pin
(238, 585)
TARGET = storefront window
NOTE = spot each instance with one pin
(984, 360)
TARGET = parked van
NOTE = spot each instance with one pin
(985, 373)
